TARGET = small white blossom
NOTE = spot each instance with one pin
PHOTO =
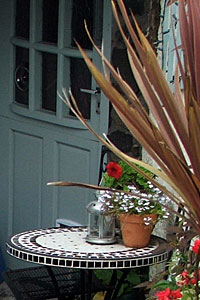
(135, 202)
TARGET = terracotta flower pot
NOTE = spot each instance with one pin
(135, 233)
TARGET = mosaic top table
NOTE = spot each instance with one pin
(67, 247)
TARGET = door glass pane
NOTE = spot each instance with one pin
(50, 21)
(49, 78)
(82, 10)
(22, 18)
(21, 75)
(80, 78)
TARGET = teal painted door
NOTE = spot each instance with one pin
(41, 140)
(170, 25)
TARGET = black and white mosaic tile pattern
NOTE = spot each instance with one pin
(67, 247)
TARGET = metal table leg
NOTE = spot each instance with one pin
(55, 283)
(119, 283)
(114, 285)
(89, 284)
(86, 284)
(82, 283)
(111, 285)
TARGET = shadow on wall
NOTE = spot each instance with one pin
(2, 266)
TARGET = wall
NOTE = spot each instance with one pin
(147, 14)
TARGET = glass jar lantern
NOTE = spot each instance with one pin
(101, 227)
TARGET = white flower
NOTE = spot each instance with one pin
(139, 209)
(146, 208)
(147, 219)
(131, 205)
(147, 223)
(143, 195)
(150, 196)
(131, 187)
(140, 202)
(150, 185)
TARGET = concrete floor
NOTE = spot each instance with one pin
(5, 292)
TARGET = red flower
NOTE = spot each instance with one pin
(176, 294)
(185, 278)
(163, 295)
(193, 281)
(168, 294)
(184, 274)
(114, 170)
(196, 246)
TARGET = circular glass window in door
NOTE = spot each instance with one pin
(21, 75)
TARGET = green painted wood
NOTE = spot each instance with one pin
(39, 146)
(170, 24)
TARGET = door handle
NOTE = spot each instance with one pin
(95, 93)
(91, 92)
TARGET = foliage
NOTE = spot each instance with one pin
(133, 278)
(129, 176)
(144, 198)
(135, 203)
(182, 277)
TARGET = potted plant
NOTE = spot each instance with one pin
(134, 200)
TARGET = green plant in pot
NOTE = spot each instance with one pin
(134, 200)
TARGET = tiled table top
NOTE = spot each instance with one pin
(67, 247)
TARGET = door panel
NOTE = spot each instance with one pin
(26, 176)
(38, 156)
(74, 163)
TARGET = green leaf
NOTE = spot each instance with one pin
(163, 284)
(133, 278)
(104, 275)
